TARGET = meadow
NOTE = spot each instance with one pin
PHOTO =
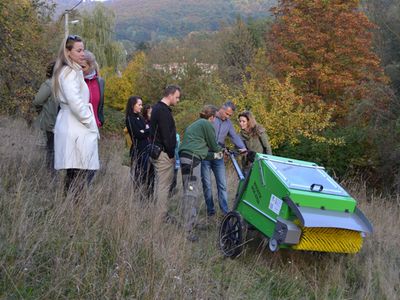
(110, 245)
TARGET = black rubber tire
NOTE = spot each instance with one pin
(230, 238)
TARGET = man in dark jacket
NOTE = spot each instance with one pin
(163, 135)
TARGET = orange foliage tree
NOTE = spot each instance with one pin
(326, 48)
(276, 106)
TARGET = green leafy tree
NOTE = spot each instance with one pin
(26, 39)
(97, 30)
(386, 14)
(237, 48)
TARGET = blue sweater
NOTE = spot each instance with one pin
(224, 129)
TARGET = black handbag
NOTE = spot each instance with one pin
(155, 151)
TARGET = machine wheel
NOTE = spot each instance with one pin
(273, 245)
(231, 235)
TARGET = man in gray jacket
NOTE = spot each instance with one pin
(223, 128)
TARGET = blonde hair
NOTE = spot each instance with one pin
(91, 60)
(62, 61)
(252, 123)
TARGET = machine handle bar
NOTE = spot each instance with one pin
(238, 170)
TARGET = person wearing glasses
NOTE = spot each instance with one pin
(223, 128)
(75, 133)
(199, 143)
(95, 84)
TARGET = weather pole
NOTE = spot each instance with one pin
(66, 17)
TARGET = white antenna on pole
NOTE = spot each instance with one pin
(66, 18)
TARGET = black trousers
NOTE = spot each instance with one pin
(76, 179)
(50, 150)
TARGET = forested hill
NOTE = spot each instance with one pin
(148, 20)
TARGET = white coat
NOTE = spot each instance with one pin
(75, 132)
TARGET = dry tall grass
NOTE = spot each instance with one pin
(109, 245)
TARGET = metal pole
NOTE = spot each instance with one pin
(66, 18)
(66, 24)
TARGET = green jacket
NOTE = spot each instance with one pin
(258, 141)
(45, 104)
(199, 139)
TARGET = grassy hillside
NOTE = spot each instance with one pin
(110, 245)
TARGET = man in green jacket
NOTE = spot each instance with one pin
(199, 142)
(48, 109)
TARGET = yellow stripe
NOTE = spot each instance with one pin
(329, 240)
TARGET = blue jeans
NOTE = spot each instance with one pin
(217, 166)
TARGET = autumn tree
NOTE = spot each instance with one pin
(276, 105)
(26, 39)
(121, 86)
(326, 48)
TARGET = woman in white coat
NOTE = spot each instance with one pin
(75, 132)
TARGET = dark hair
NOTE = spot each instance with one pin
(229, 104)
(131, 103)
(255, 128)
(145, 114)
(250, 119)
(171, 89)
(208, 111)
(50, 69)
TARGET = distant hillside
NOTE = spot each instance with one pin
(149, 20)
(146, 20)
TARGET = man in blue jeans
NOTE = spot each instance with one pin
(223, 128)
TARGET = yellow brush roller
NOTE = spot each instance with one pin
(329, 240)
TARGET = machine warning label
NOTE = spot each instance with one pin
(275, 204)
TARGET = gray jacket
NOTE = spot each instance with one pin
(45, 104)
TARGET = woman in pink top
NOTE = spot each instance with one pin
(96, 86)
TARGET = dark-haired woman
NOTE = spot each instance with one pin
(199, 142)
(147, 113)
(75, 132)
(139, 132)
(254, 136)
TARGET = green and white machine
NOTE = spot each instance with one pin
(295, 204)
